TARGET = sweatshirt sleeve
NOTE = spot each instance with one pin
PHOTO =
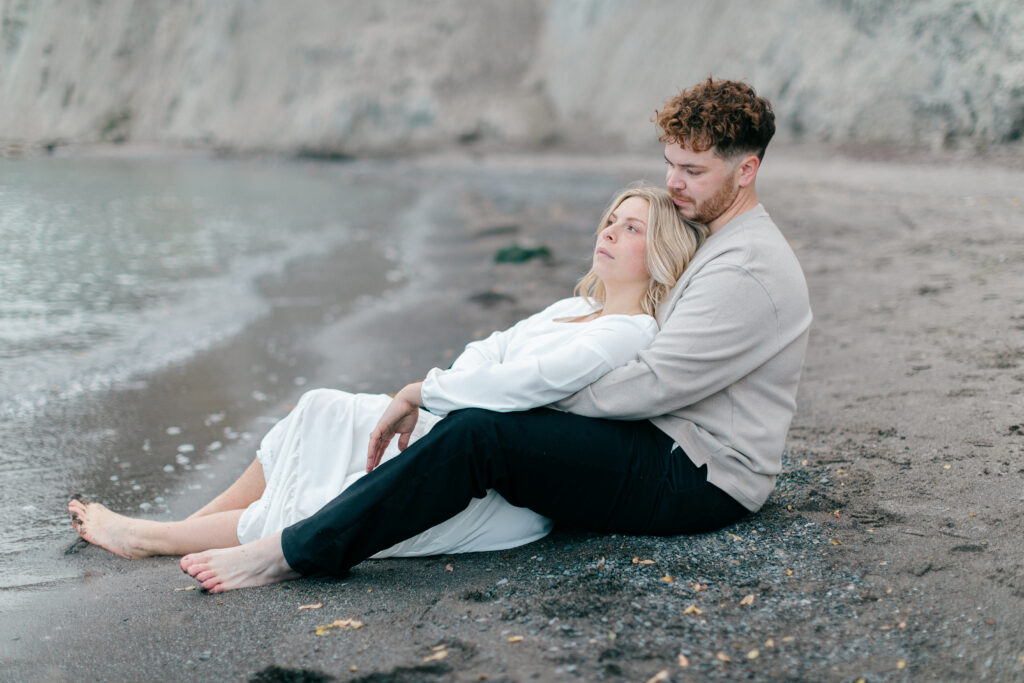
(724, 326)
(539, 379)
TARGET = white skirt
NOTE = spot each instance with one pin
(319, 450)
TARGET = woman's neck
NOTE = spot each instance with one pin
(623, 301)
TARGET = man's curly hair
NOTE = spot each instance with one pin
(726, 116)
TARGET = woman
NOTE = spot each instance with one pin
(317, 450)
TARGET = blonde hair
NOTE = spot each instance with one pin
(671, 243)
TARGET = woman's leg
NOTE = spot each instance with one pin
(216, 523)
(246, 490)
(136, 538)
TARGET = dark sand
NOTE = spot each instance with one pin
(891, 550)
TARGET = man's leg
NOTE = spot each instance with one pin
(602, 475)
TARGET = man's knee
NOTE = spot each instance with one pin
(475, 424)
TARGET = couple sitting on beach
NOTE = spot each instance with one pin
(655, 402)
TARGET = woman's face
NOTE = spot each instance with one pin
(620, 256)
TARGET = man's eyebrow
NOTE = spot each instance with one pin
(685, 165)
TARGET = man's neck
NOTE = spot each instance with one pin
(746, 200)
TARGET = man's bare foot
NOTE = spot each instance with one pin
(100, 526)
(254, 564)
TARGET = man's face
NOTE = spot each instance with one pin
(702, 185)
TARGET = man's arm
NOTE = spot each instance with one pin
(723, 327)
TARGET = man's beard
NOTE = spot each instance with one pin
(715, 205)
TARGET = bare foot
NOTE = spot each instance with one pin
(254, 564)
(100, 526)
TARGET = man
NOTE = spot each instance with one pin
(699, 420)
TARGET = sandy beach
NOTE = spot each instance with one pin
(891, 550)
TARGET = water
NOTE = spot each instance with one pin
(108, 268)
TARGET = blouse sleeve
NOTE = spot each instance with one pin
(541, 379)
(492, 348)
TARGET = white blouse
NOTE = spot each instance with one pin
(537, 361)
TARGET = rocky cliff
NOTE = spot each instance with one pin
(348, 77)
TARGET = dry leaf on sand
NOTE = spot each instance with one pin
(339, 624)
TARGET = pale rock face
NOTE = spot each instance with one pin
(347, 77)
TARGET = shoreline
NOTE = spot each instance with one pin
(1008, 155)
(158, 444)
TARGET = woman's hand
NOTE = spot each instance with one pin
(399, 418)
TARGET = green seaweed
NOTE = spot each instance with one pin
(520, 254)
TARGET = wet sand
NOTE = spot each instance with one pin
(891, 549)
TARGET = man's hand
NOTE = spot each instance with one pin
(399, 418)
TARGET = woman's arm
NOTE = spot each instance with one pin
(402, 413)
(400, 418)
(542, 378)
(492, 349)
(483, 378)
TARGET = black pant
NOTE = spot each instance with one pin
(608, 476)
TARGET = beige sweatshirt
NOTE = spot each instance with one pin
(721, 376)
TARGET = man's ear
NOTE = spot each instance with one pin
(746, 170)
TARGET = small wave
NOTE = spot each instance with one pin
(114, 348)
